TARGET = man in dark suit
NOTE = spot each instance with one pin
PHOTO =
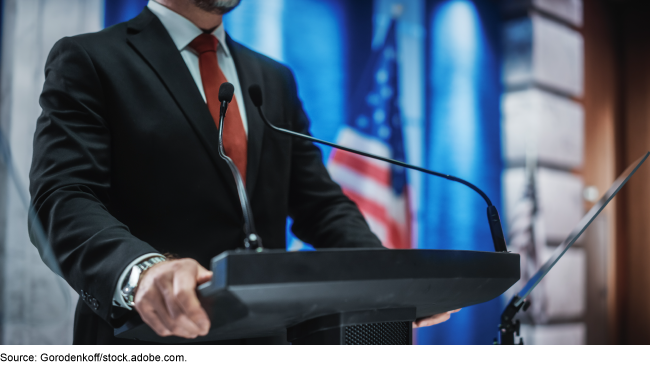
(126, 166)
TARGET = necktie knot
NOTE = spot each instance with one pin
(204, 43)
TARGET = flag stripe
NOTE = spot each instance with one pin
(369, 189)
(361, 165)
(355, 140)
(396, 234)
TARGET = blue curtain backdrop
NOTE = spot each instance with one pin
(116, 11)
(462, 139)
(312, 43)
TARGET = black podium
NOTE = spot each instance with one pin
(340, 296)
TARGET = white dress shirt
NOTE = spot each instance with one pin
(182, 32)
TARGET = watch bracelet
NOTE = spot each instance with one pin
(129, 297)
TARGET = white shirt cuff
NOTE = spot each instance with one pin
(118, 300)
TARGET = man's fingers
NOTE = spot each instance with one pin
(192, 310)
(152, 320)
(166, 299)
(184, 327)
(149, 316)
(166, 290)
(434, 319)
(149, 303)
(156, 308)
(193, 314)
(203, 276)
(172, 315)
(185, 295)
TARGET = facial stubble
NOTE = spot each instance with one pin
(216, 6)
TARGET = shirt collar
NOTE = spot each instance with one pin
(181, 29)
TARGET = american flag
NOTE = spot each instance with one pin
(378, 188)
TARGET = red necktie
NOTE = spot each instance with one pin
(234, 136)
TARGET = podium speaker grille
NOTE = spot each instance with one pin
(389, 333)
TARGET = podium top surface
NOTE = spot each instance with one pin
(241, 268)
(258, 294)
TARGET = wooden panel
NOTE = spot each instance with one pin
(617, 108)
(636, 32)
(600, 169)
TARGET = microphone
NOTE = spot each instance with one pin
(498, 239)
(226, 92)
(252, 241)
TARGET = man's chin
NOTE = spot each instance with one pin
(217, 6)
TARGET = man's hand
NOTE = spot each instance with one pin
(166, 298)
(434, 319)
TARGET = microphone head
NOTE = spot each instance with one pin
(255, 92)
(226, 91)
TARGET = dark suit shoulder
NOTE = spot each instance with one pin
(96, 48)
(106, 41)
(99, 39)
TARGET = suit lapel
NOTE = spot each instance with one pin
(151, 40)
(249, 72)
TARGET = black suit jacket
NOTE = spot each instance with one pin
(126, 163)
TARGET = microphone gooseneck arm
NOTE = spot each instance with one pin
(391, 161)
(252, 241)
(493, 216)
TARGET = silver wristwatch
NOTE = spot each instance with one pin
(132, 280)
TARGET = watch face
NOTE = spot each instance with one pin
(132, 281)
(127, 290)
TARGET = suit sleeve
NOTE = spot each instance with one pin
(70, 180)
(322, 214)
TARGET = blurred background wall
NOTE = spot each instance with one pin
(541, 103)
(37, 306)
(543, 132)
